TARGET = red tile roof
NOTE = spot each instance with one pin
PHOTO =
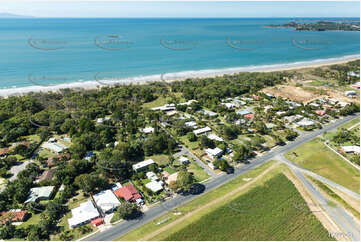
(128, 192)
(320, 112)
(4, 151)
(97, 221)
(17, 216)
(250, 116)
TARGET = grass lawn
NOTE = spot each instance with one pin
(159, 159)
(315, 156)
(32, 138)
(188, 144)
(198, 172)
(350, 123)
(265, 212)
(169, 170)
(46, 153)
(34, 219)
(160, 101)
(200, 201)
(77, 200)
(270, 142)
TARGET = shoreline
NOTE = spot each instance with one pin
(178, 76)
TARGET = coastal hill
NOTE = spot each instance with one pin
(10, 15)
(319, 26)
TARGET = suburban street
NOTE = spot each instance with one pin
(126, 226)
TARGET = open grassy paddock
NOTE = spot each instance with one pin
(316, 157)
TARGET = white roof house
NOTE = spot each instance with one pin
(351, 149)
(213, 136)
(166, 107)
(305, 122)
(143, 164)
(55, 147)
(39, 193)
(342, 104)
(151, 176)
(216, 152)
(83, 214)
(229, 105)
(281, 112)
(350, 93)
(106, 201)
(191, 124)
(293, 118)
(207, 112)
(315, 105)
(148, 130)
(155, 186)
(183, 160)
(202, 130)
(188, 102)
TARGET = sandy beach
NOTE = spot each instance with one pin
(169, 77)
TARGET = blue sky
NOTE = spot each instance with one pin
(180, 9)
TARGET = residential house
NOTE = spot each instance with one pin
(40, 193)
(143, 165)
(321, 112)
(183, 160)
(129, 193)
(165, 108)
(83, 214)
(351, 94)
(14, 215)
(249, 116)
(306, 122)
(351, 149)
(168, 178)
(155, 186)
(191, 124)
(202, 130)
(4, 152)
(47, 175)
(213, 136)
(148, 130)
(106, 201)
(214, 153)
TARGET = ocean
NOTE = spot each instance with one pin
(40, 53)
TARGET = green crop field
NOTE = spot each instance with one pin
(272, 211)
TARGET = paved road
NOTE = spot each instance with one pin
(185, 151)
(344, 221)
(324, 180)
(153, 213)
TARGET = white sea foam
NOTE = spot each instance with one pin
(169, 76)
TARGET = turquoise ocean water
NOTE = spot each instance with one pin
(54, 51)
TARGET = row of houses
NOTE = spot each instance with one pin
(102, 203)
